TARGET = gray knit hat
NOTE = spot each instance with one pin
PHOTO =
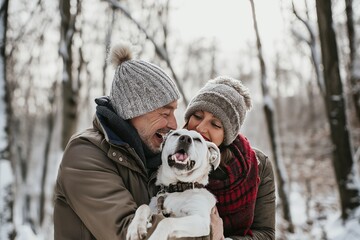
(227, 99)
(138, 87)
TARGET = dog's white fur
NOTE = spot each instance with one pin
(189, 210)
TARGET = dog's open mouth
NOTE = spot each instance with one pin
(181, 160)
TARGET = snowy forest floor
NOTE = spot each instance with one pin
(313, 191)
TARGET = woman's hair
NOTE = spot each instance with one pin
(226, 155)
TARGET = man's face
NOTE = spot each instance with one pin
(154, 125)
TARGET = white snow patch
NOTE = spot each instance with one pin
(349, 230)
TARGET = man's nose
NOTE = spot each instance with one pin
(172, 124)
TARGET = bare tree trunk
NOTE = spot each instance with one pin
(50, 126)
(107, 47)
(345, 169)
(5, 100)
(353, 77)
(5, 113)
(213, 72)
(269, 115)
(70, 91)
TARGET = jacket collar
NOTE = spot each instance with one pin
(117, 130)
(120, 132)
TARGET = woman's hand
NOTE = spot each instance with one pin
(217, 229)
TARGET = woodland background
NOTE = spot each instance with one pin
(300, 60)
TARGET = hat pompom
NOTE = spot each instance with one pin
(238, 86)
(120, 53)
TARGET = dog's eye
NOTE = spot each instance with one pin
(197, 139)
(176, 134)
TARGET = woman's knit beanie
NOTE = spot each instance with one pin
(227, 99)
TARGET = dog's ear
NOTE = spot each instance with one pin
(214, 154)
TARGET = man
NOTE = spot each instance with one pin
(109, 170)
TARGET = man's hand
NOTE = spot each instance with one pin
(217, 229)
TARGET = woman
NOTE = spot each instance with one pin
(244, 182)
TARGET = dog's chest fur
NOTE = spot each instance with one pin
(179, 204)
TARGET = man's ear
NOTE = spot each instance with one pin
(214, 154)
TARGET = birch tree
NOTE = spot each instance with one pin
(343, 163)
(271, 125)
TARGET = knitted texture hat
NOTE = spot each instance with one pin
(138, 87)
(227, 99)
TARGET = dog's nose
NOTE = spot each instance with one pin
(185, 139)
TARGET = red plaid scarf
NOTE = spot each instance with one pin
(236, 194)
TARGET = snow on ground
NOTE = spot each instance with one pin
(350, 230)
(26, 233)
(5, 176)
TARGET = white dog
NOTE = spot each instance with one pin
(186, 162)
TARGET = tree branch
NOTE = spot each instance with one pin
(161, 52)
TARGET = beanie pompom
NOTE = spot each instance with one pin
(238, 86)
(120, 53)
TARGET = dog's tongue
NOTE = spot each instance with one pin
(181, 156)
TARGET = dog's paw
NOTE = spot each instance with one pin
(136, 232)
(137, 229)
(163, 230)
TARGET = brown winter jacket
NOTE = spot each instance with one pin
(99, 187)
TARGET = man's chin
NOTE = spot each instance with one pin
(154, 148)
(156, 151)
(153, 143)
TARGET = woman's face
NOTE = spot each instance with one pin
(208, 126)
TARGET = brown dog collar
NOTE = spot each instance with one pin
(174, 187)
(181, 187)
